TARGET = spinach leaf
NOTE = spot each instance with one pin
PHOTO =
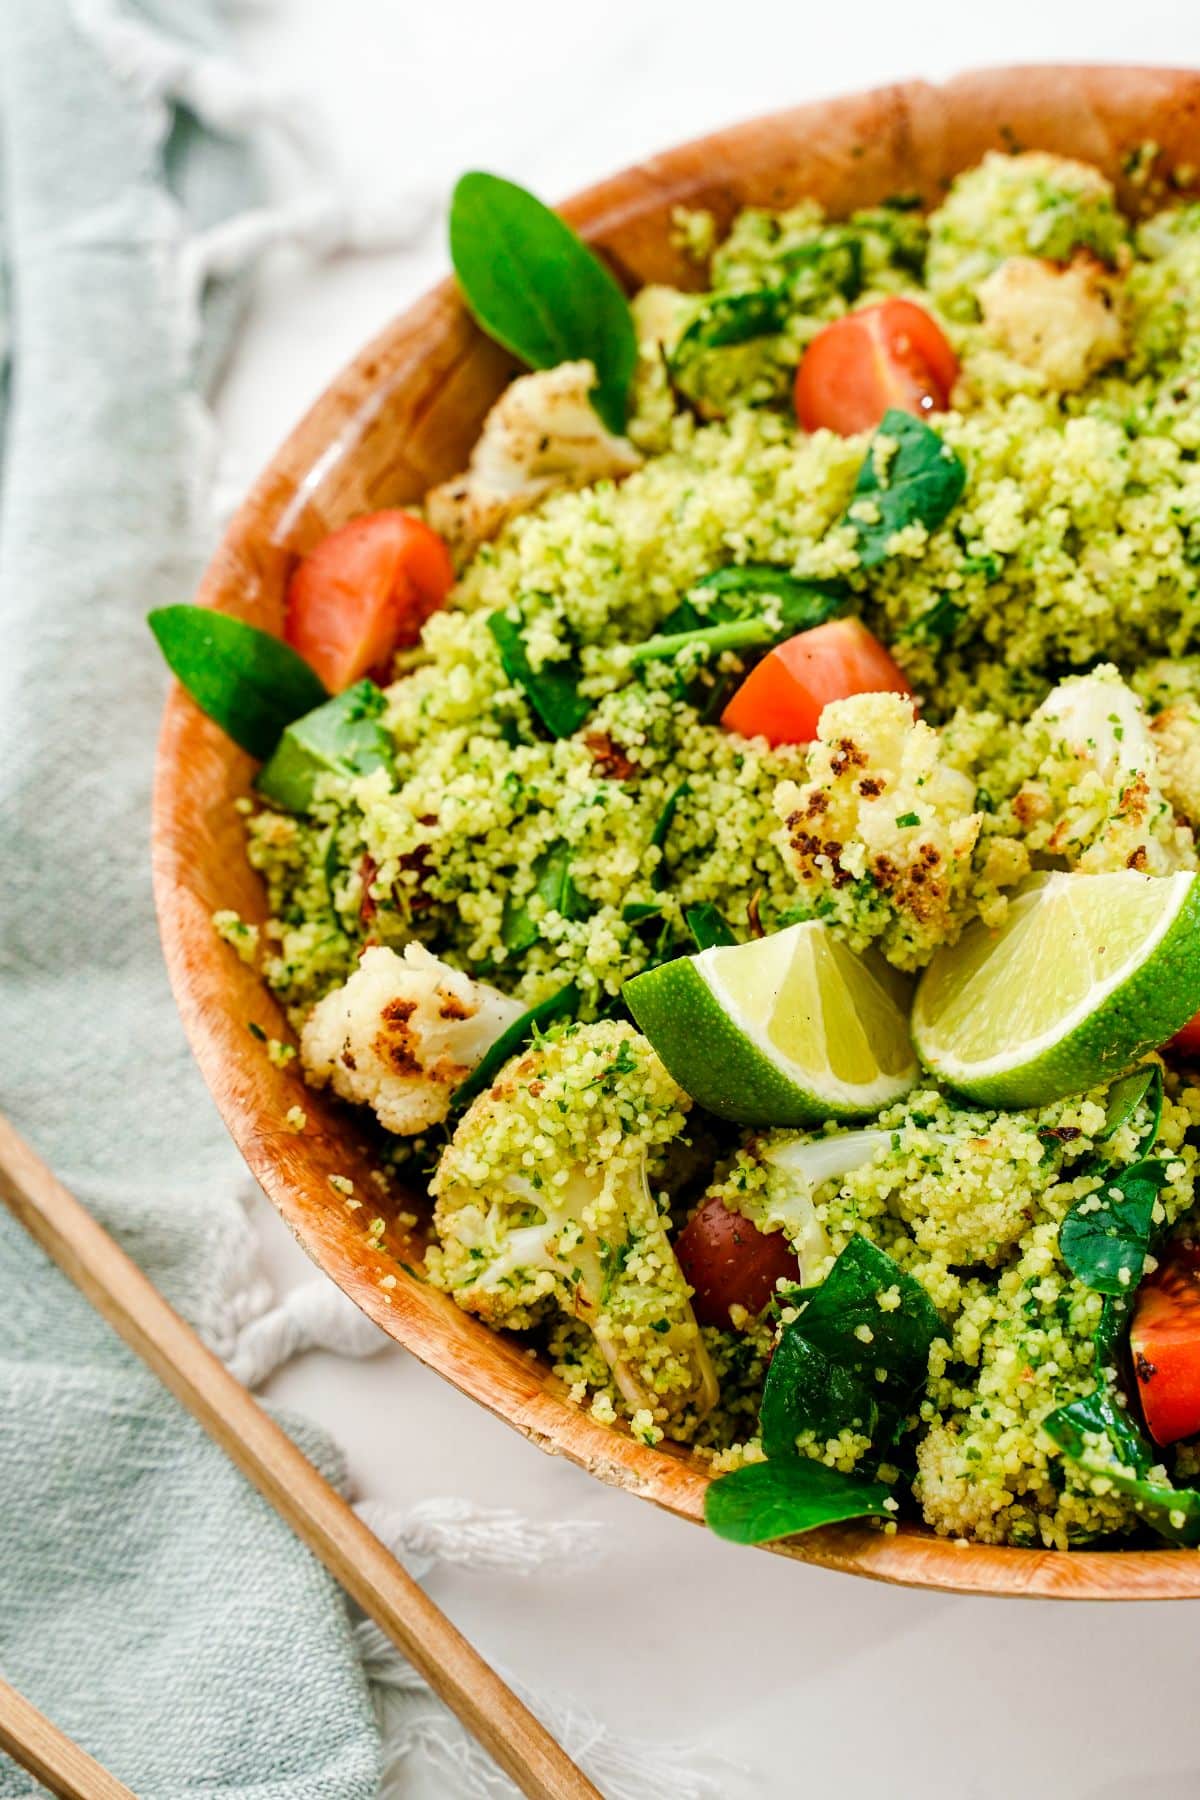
(938, 623)
(552, 691)
(562, 1005)
(763, 1501)
(345, 736)
(251, 684)
(708, 926)
(824, 1376)
(731, 318)
(658, 836)
(537, 289)
(1102, 1442)
(922, 479)
(1106, 1236)
(734, 619)
(553, 885)
(1126, 1095)
(637, 912)
(832, 264)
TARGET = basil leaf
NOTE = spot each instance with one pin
(551, 691)
(346, 736)
(249, 683)
(1106, 1236)
(562, 1005)
(658, 836)
(1103, 1443)
(553, 885)
(824, 1377)
(763, 1501)
(708, 926)
(922, 480)
(537, 289)
(638, 911)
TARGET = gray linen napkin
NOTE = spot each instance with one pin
(148, 1600)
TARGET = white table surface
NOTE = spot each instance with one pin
(815, 1683)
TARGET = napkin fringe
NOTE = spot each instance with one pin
(413, 1722)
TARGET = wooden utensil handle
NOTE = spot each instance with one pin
(283, 1474)
(30, 1739)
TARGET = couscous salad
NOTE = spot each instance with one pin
(739, 838)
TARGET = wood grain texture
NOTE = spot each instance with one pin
(266, 1455)
(50, 1757)
(403, 416)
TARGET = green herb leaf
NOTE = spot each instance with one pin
(537, 289)
(708, 926)
(562, 1005)
(552, 691)
(1106, 1236)
(764, 1501)
(1101, 1441)
(553, 885)
(734, 619)
(346, 736)
(1125, 1098)
(251, 684)
(824, 1377)
(658, 836)
(922, 480)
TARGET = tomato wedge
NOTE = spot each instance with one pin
(729, 1262)
(365, 591)
(889, 354)
(785, 694)
(1187, 1041)
(1164, 1340)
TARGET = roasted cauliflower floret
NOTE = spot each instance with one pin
(1176, 735)
(1060, 323)
(401, 1034)
(1096, 796)
(1031, 205)
(883, 836)
(544, 1207)
(543, 433)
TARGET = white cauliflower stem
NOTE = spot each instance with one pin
(544, 1207)
(543, 433)
(401, 1034)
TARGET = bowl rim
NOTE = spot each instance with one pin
(190, 747)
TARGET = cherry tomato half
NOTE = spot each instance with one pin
(729, 1262)
(365, 591)
(1164, 1341)
(785, 694)
(890, 354)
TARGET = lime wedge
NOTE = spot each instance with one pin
(1088, 974)
(786, 1030)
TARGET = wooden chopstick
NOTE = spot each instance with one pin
(266, 1455)
(50, 1756)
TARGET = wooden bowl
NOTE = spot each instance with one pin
(404, 416)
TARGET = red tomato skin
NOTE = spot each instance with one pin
(890, 354)
(363, 592)
(729, 1262)
(1187, 1041)
(785, 694)
(1164, 1341)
